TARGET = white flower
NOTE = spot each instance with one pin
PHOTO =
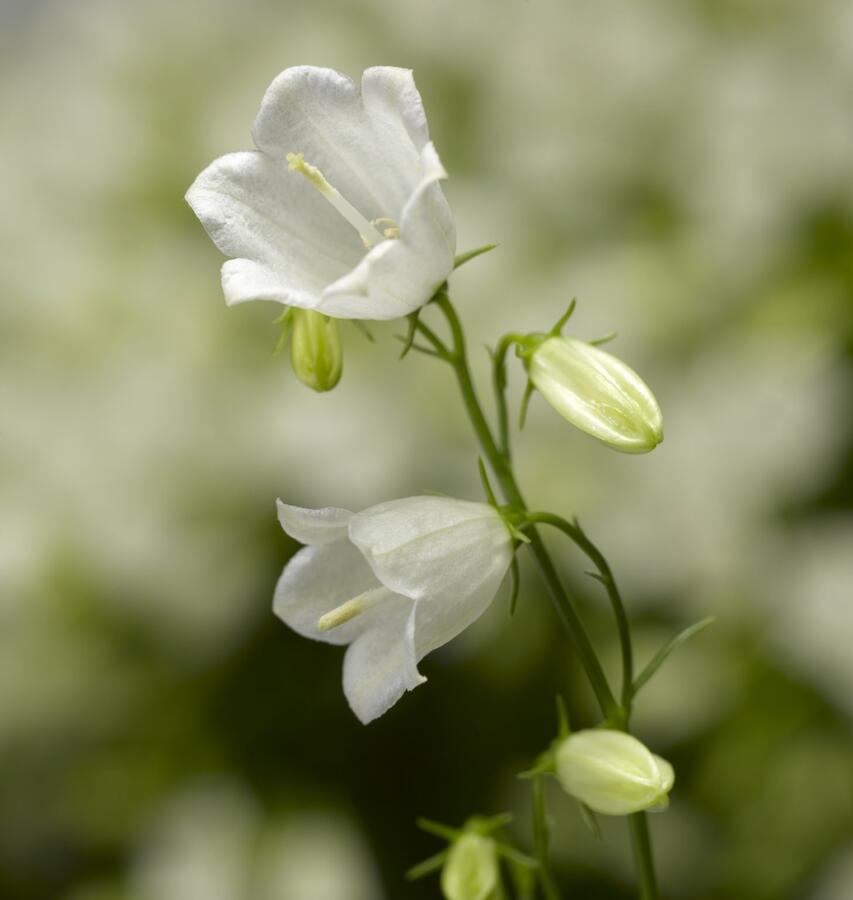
(394, 582)
(613, 773)
(339, 209)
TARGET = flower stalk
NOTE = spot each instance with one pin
(615, 713)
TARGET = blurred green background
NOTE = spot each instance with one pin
(686, 170)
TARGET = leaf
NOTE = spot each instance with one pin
(661, 656)
(472, 254)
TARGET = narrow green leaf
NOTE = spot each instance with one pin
(472, 254)
(661, 656)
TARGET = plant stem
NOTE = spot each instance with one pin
(540, 839)
(565, 605)
(605, 576)
(642, 845)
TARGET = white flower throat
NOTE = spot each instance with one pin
(352, 608)
(367, 229)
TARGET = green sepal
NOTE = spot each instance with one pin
(557, 330)
(590, 820)
(545, 764)
(362, 327)
(606, 339)
(515, 584)
(285, 320)
(484, 480)
(516, 856)
(409, 339)
(439, 830)
(661, 656)
(468, 255)
(427, 867)
(525, 402)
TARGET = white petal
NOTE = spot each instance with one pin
(317, 580)
(380, 665)
(288, 243)
(314, 526)
(363, 146)
(399, 276)
(433, 546)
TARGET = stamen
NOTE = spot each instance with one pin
(352, 608)
(393, 230)
(370, 236)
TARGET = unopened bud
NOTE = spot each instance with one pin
(315, 349)
(471, 871)
(612, 772)
(597, 393)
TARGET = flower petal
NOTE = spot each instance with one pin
(361, 143)
(427, 547)
(313, 526)
(288, 243)
(380, 664)
(398, 276)
(317, 580)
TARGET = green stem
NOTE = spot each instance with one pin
(563, 601)
(642, 844)
(575, 533)
(540, 840)
(456, 356)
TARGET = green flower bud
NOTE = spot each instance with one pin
(315, 349)
(471, 871)
(613, 773)
(597, 393)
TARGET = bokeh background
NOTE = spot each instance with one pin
(685, 169)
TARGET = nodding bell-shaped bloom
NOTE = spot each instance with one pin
(339, 209)
(315, 349)
(471, 870)
(612, 772)
(393, 582)
(597, 393)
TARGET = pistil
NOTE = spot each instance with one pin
(370, 235)
(352, 608)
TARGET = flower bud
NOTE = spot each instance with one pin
(471, 870)
(315, 349)
(597, 393)
(612, 772)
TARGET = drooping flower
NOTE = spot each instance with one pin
(597, 393)
(612, 772)
(339, 209)
(394, 582)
